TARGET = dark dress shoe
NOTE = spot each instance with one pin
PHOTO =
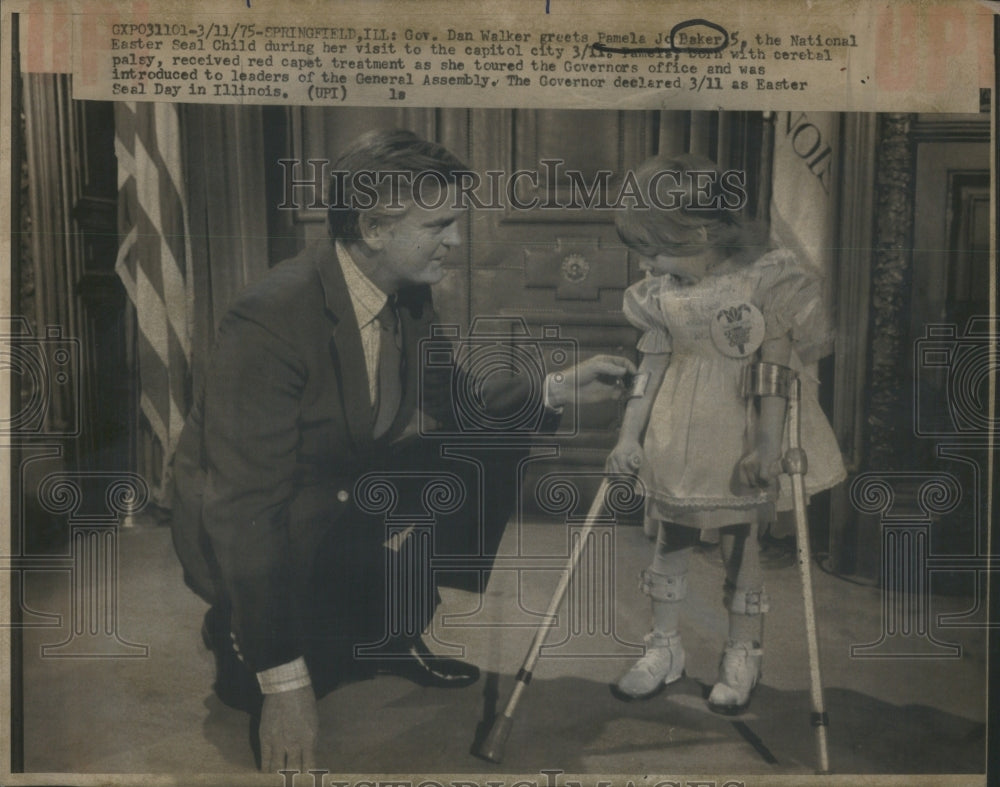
(416, 663)
(235, 685)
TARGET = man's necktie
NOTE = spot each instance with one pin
(390, 356)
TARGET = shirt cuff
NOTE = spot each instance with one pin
(284, 677)
(546, 396)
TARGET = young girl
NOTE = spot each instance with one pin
(711, 304)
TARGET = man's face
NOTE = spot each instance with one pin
(415, 244)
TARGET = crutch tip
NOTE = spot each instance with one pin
(492, 748)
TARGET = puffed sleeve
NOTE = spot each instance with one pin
(641, 308)
(793, 300)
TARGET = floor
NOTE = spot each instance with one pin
(146, 706)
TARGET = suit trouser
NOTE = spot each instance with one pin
(369, 585)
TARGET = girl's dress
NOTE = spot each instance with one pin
(700, 426)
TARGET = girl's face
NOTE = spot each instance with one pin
(687, 270)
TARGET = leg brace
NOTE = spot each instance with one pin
(750, 602)
(663, 587)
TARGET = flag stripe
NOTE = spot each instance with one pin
(159, 173)
(154, 264)
(160, 259)
(155, 381)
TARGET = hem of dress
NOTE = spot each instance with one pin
(710, 503)
(706, 519)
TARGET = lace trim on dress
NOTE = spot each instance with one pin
(695, 503)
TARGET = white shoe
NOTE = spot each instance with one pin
(662, 665)
(738, 675)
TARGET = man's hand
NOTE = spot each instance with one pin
(597, 379)
(625, 458)
(288, 727)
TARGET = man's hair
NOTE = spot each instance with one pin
(377, 153)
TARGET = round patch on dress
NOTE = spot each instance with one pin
(737, 331)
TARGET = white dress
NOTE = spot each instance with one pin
(700, 426)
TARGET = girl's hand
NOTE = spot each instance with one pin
(762, 465)
(625, 458)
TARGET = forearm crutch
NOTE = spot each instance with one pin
(492, 747)
(770, 379)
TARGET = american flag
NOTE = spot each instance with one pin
(154, 263)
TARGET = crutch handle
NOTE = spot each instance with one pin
(795, 461)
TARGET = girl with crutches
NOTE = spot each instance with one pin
(708, 457)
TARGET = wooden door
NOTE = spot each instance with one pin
(951, 267)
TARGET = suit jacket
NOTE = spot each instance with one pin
(268, 459)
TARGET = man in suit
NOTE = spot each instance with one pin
(313, 382)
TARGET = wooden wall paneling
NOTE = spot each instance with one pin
(453, 294)
(284, 231)
(759, 166)
(950, 272)
(968, 243)
(324, 133)
(938, 164)
(54, 243)
(725, 123)
(196, 177)
(674, 128)
(853, 267)
(703, 133)
(110, 385)
(227, 204)
(228, 143)
(73, 204)
(952, 154)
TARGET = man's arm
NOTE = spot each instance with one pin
(598, 379)
(251, 408)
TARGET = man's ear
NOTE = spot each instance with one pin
(372, 229)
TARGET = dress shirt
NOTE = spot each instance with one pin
(368, 301)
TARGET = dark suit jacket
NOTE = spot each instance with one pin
(267, 462)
